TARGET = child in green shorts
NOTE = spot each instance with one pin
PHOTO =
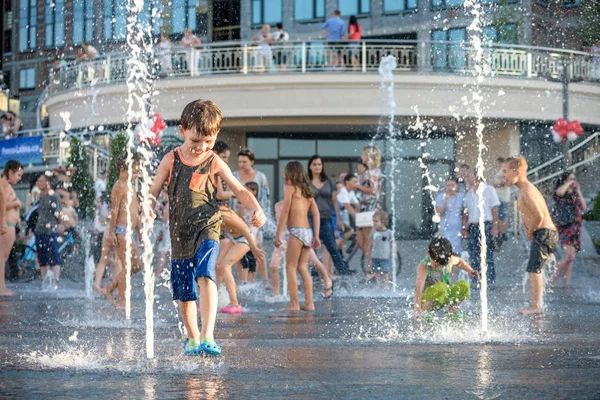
(433, 290)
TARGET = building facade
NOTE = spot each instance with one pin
(301, 104)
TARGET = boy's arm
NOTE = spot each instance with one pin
(223, 194)
(462, 264)
(241, 193)
(535, 215)
(419, 285)
(162, 175)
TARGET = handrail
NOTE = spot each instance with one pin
(421, 56)
(560, 157)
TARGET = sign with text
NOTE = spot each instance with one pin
(26, 150)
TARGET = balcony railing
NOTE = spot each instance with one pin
(317, 56)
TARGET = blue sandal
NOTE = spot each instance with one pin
(191, 349)
(209, 347)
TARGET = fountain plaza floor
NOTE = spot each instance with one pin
(359, 345)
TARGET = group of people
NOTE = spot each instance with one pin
(12, 125)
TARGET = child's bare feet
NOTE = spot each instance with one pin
(308, 307)
(529, 310)
(6, 292)
(97, 289)
(292, 307)
(108, 296)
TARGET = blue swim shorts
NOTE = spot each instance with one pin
(185, 272)
(47, 249)
(381, 265)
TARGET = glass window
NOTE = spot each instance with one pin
(27, 78)
(407, 205)
(27, 25)
(266, 11)
(309, 9)
(399, 5)
(341, 148)
(505, 34)
(115, 20)
(446, 3)
(296, 148)
(149, 18)
(54, 23)
(263, 148)
(184, 15)
(83, 21)
(439, 149)
(449, 56)
(353, 7)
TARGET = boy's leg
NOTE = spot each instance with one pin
(294, 250)
(320, 267)
(307, 282)
(491, 269)
(101, 266)
(208, 306)
(190, 318)
(385, 280)
(437, 294)
(136, 266)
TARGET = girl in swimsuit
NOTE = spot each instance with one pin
(297, 201)
(13, 171)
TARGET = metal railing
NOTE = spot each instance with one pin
(319, 56)
(56, 147)
(584, 159)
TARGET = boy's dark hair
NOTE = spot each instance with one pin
(12, 165)
(252, 186)
(279, 25)
(440, 250)
(202, 115)
(4, 116)
(122, 160)
(383, 216)
(220, 147)
(337, 12)
(349, 177)
(247, 153)
(500, 159)
(452, 178)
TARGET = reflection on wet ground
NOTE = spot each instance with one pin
(58, 345)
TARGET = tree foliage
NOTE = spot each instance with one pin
(118, 146)
(82, 181)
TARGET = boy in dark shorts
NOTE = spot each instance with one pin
(538, 225)
(191, 172)
(48, 228)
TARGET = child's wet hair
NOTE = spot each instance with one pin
(253, 187)
(440, 250)
(296, 174)
(12, 165)
(202, 115)
(220, 147)
(122, 160)
(383, 217)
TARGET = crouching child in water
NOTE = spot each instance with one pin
(433, 290)
(191, 173)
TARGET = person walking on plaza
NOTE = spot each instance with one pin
(334, 30)
(100, 184)
(471, 222)
(48, 227)
(298, 201)
(539, 228)
(190, 172)
(569, 205)
(449, 205)
(10, 207)
(504, 193)
(325, 196)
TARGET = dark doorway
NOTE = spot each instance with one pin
(226, 20)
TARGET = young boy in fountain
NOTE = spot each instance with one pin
(538, 225)
(191, 173)
(433, 290)
(117, 228)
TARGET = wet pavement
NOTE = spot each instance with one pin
(359, 345)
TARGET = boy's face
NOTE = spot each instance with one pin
(42, 183)
(510, 175)
(196, 144)
(351, 183)
(377, 223)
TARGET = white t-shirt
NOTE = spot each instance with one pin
(490, 200)
(100, 186)
(345, 197)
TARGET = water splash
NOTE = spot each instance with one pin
(386, 76)
(481, 69)
(90, 266)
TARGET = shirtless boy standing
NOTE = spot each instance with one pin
(538, 225)
(117, 228)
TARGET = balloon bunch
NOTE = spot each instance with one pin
(151, 131)
(565, 130)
